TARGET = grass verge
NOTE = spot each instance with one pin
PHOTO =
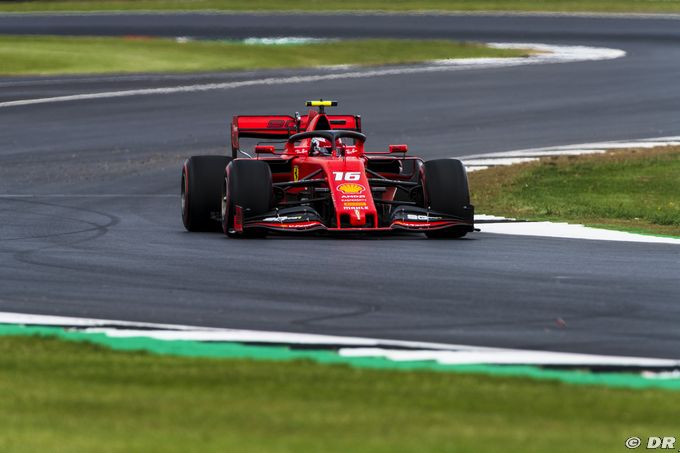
(345, 5)
(634, 190)
(42, 55)
(69, 396)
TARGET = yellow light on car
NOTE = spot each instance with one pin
(321, 103)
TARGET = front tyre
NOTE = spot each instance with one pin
(200, 191)
(446, 191)
(246, 184)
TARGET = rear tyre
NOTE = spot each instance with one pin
(446, 191)
(247, 184)
(200, 191)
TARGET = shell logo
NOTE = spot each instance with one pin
(351, 188)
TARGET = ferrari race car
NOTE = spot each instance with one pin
(312, 174)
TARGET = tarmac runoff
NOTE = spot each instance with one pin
(190, 341)
(501, 225)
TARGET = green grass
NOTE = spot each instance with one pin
(20, 55)
(340, 5)
(633, 190)
(67, 396)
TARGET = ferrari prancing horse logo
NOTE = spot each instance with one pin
(296, 173)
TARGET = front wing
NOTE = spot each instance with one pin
(304, 219)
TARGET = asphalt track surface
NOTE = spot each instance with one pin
(103, 236)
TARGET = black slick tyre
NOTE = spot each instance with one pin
(248, 185)
(201, 186)
(446, 191)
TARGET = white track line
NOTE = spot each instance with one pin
(549, 54)
(507, 357)
(564, 230)
(578, 149)
(92, 195)
(349, 346)
(571, 231)
(362, 12)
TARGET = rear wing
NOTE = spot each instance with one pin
(280, 127)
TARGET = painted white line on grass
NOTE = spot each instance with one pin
(347, 346)
(549, 54)
(565, 53)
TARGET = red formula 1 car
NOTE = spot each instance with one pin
(313, 175)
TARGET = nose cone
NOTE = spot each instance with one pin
(357, 218)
